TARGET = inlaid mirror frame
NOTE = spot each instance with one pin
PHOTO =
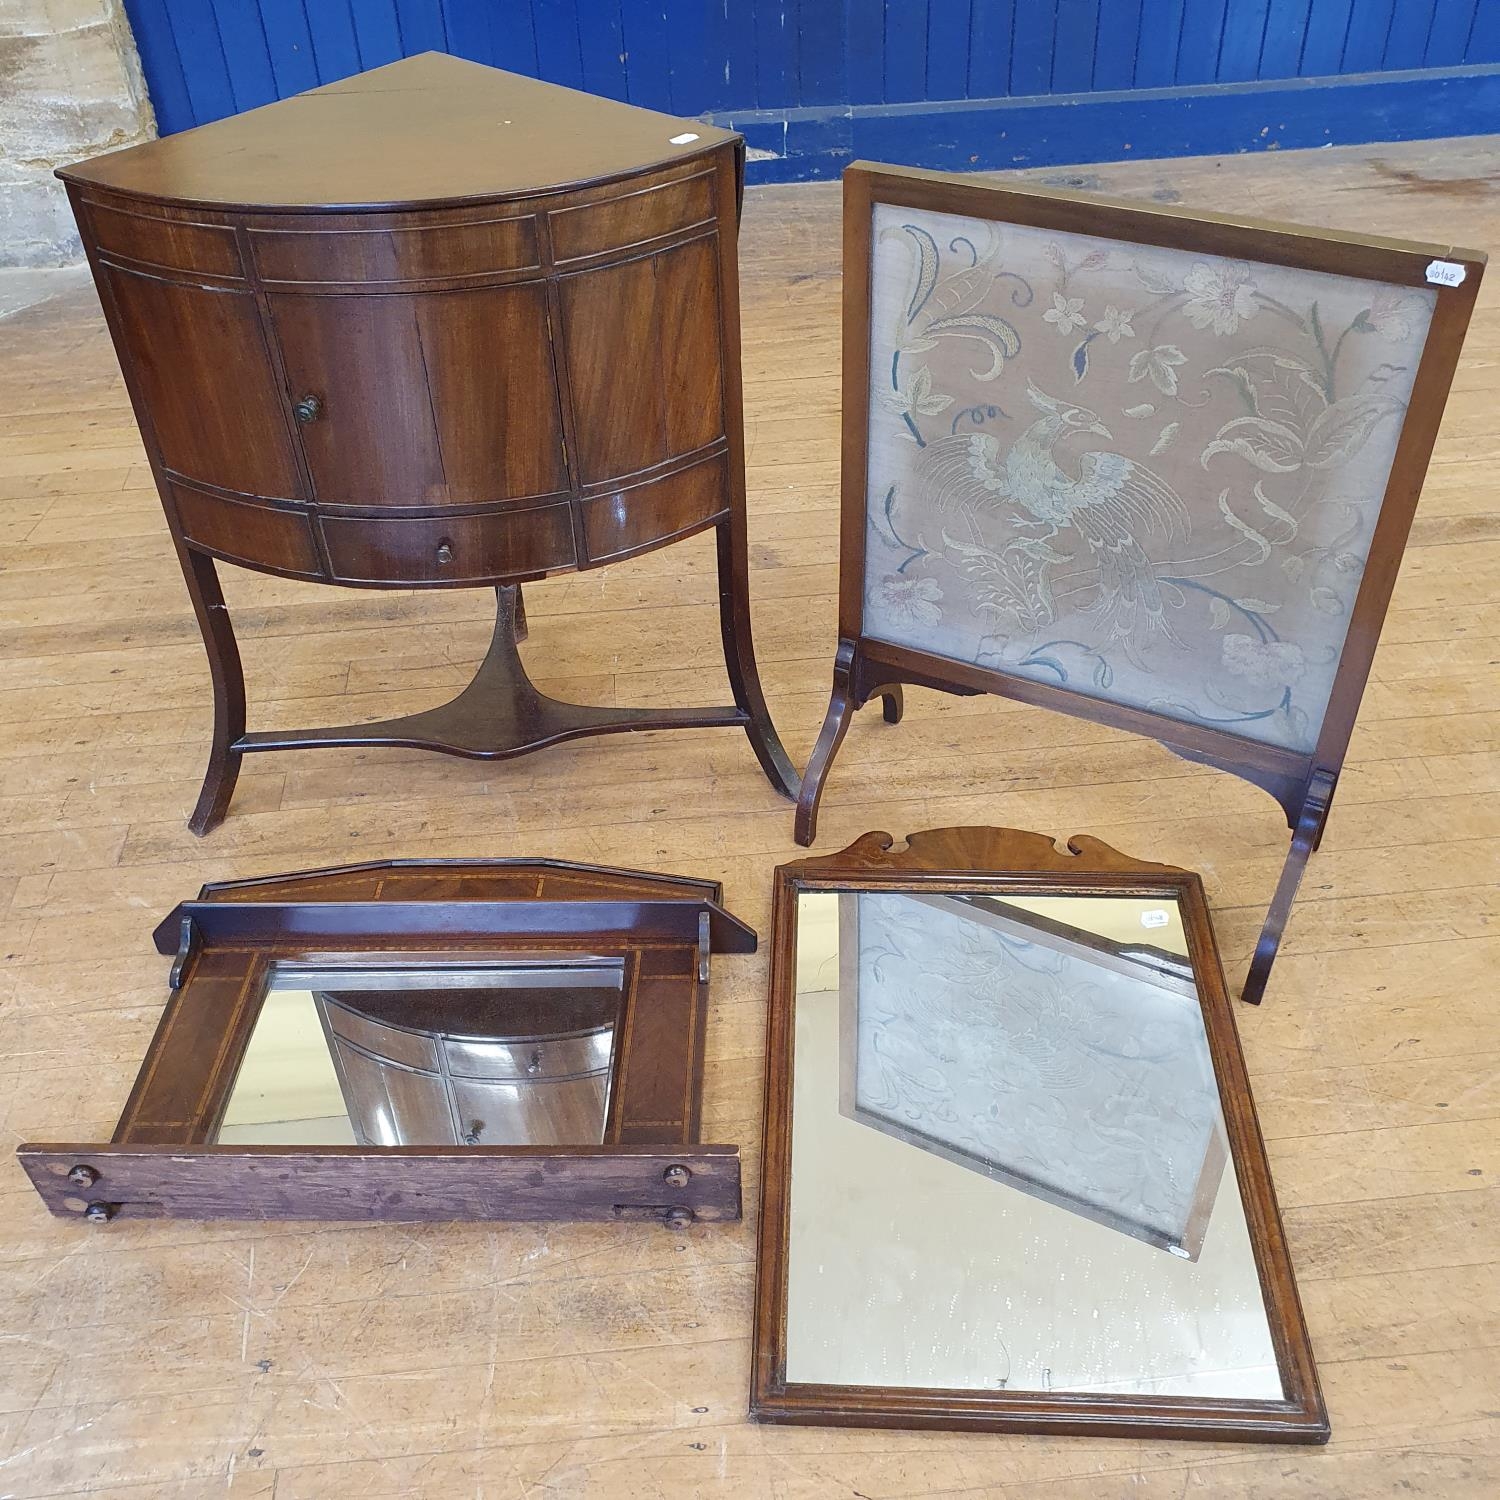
(163, 1160)
(866, 667)
(1008, 863)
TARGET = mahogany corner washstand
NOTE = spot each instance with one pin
(434, 326)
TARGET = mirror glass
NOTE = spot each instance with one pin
(430, 1054)
(1009, 1168)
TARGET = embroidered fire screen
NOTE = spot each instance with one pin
(1146, 466)
(1150, 475)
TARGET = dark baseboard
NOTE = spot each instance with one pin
(1214, 120)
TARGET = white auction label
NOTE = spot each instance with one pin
(1154, 918)
(1446, 273)
(691, 136)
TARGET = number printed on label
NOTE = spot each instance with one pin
(1446, 273)
(1154, 918)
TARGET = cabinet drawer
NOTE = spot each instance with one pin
(631, 219)
(626, 521)
(411, 1049)
(391, 255)
(450, 549)
(241, 531)
(517, 1060)
(533, 1113)
(177, 244)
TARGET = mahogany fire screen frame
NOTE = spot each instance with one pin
(1146, 466)
(162, 1161)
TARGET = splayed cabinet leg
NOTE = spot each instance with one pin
(229, 689)
(739, 655)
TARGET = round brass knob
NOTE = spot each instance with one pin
(677, 1219)
(97, 1213)
(83, 1176)
(445, 551)
(308, 409)
(676, 1176)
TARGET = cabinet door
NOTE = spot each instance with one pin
(430, 398)
(198, 361)
(643, 348)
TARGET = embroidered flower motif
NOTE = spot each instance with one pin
(1395, 314)
(1265, 664)
(917, 396)
(1066, 313)
(1115, 324)
(1220, 297)
(912, 601)
(1160, 365)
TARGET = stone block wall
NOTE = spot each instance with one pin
(70, 87)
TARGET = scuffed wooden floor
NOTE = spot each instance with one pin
(174, 1361)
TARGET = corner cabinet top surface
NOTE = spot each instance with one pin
(429, 129)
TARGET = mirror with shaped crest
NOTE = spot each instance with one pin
(1003, 1181)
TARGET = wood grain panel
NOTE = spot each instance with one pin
(626, 520)
(257, 535)
(171, 1106)
(450, 549)
(687, 294)
(374, 441)
(182, 340)
(632, 218)
(493, 390)
(174, 243)
(610, 331)
(656, 1091)
(394, 254)
(438, 398)
(412, 1183)
(643, 354)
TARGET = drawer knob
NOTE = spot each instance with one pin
(445, 551)
(308, 409)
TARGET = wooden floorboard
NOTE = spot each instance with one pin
(176, 1361)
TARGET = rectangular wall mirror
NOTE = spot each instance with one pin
(1013, 1177)
(423, 1040)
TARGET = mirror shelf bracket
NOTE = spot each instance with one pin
(189, 939)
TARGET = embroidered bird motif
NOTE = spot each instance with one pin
(1113, 503)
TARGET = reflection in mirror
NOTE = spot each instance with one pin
(1009, 1169)
(495, 1054)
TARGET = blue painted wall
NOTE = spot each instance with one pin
(951, 83)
